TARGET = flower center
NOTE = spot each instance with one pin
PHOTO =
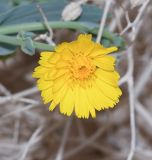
(82, 68)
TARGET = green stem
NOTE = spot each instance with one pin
(38, 26)
(17, 42)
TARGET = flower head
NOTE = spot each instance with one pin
(78, 77)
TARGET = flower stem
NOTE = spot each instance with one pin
(38, 26)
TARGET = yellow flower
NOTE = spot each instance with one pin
(78, 77)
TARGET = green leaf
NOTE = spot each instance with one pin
(3, 7)
(105, 42)
(27, 45)
(52, 9)
(119, 42)
(91, 13)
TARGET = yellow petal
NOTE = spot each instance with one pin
(52, 106)
(100, 51)
(46, 55)
(44, 59)
(109, 91)
(109, 77)
(47, 95)
(106, 102)
(46, 64)
(88, 104)
(43, 84)
(82, 105)
(62, 64)
(84, 37)
(85, 44)
(105, 62)
(90, 92)
(67, 55)
(67, 104)
(61, 72)
(61, 47)
(48, 76)
(60, 82)
(40, 71)
(77, 102)
(84, 108)
(101, 99)
(54, 58)
(73, 47)
(59, 95)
